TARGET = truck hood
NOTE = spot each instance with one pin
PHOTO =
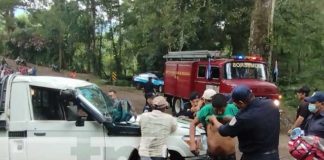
(183, 126)
(259, 87)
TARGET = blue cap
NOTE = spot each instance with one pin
(316, 97)
(241, 93)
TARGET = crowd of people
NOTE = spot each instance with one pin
(22, 68)
(254, 121)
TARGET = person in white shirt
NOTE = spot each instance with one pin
(156, 126)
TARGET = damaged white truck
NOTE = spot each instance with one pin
(60, 118)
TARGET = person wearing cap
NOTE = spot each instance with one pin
(315, 122)
(148, 89)
(156, 126)
(218, 147)
(206, 99)
(302, 111)
(256, 125)
(149, 103)
(190, 108)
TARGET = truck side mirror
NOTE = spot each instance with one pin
(80, 121)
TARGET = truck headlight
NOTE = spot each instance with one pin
(276, 102)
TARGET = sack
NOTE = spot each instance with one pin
(306, 148)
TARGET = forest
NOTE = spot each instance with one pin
(131, 36)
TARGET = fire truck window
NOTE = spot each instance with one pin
(201, 71)
(214, 72)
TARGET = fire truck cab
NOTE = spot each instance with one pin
(189, 71)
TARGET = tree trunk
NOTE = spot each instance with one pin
(60, 53)
(100, 53)
(261, 30)
(93, 37)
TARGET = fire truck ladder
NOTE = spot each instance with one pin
(192, 55)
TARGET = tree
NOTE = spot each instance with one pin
(261, 29)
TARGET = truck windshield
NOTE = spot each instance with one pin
(97, 98)
(245, 70)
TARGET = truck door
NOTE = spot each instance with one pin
(52, 134)
(170, 78)
(183, 86)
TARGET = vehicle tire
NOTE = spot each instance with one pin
(169, 100)
(177, 106)
(134, 155)
(173, 155)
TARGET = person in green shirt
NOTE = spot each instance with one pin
(219, 148)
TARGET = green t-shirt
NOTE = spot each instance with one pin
(208, 110)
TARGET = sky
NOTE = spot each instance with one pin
(19, 12)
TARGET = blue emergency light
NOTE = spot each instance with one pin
(242, 57)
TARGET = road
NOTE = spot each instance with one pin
(136, 97)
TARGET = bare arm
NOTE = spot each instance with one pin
(297, 123)
(192, 131)
(215, 122)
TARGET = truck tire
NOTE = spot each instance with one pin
(169, 100)
(177, 106)
(173, 155)
(134, 155)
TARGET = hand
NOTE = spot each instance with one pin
(194, 149)
(194, 109)
(289, 132)
(200, 125)
(200, 103)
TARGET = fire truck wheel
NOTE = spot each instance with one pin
(178, 106)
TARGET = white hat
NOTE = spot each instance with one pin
(208, 94)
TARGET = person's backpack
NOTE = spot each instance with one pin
(307, 148)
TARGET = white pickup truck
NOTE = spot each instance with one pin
(55, 118)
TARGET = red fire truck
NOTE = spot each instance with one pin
(189, 71)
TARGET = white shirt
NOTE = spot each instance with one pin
(156, 126)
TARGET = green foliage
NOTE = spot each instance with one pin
(298, 41)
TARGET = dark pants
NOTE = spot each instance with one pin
(272, 155)
(223, 157)
(152, 158)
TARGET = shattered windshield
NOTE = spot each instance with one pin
(245, 70)
(98, 98)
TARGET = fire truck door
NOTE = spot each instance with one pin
(184, 81)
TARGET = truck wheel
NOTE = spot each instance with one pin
(173, 155)
(134, 156)
(178, 106)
